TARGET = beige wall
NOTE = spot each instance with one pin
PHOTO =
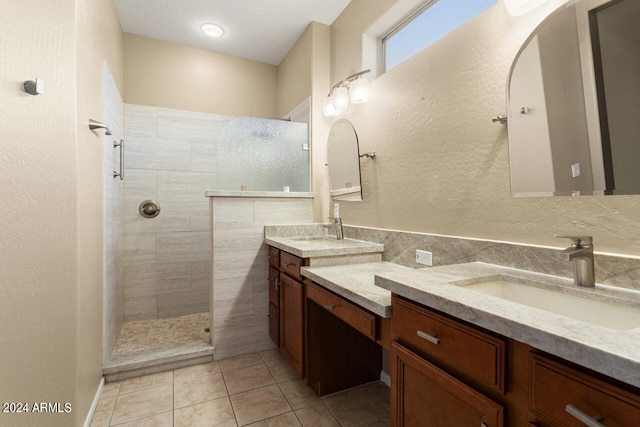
(294, 74)
(305, 73)
(38, 219)
(51, 278)
(346, 35)
(162, 74)
(442, 165)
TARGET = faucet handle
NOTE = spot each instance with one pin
(578, 241)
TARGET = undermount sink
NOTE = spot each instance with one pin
(609, 315)
(315, 238)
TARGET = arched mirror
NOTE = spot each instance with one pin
(573, 101)
(344, 162)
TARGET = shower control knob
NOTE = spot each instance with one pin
(149, 209)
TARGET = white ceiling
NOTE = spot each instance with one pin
(260, 30)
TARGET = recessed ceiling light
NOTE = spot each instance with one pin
(212, 30)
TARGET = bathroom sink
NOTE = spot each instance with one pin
(315, 239)
(609, 315)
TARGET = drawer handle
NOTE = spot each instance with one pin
(584, 418)
(287, 265)
(431, 338)
(329, 307)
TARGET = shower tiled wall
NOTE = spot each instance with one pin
(113, 215)
(241, 290)
(171, 157)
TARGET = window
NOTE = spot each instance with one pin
(431, 21)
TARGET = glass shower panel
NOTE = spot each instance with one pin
(264, 155)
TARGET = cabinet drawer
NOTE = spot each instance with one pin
(274, 287)
(290, 264)
(479, 355)
(423, 395)
(555, 386)
(361, 320)
(274, 257)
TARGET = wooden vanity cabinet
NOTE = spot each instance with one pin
(292, 322)
(274, 295)
(423, 394)
(437, 367)
(342, 349)
(274, 305)
(560, 395)
(286, 306)
(446, 372)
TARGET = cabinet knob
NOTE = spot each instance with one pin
(329, 307)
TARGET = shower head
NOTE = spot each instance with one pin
(93, 124)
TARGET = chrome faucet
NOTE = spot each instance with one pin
(581, 253)
(337, 226)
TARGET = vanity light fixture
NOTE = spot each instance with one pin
(354, 89)
(521, 7)
(212, 30)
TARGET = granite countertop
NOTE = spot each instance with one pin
(322, 246)
(355, 282)
(612, 352)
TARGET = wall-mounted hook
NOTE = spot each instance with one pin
(93, 124)
(34, 87)
(501, 119)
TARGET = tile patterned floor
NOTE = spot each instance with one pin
(258, 389)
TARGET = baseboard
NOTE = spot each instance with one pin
(94, 405)
(385, 378)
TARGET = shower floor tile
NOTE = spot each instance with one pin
(155, 334)
(157, 345)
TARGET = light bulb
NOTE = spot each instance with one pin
(328, 108)
(520, 7)
(340, 99)
(359, 91)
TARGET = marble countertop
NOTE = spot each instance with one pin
(322, 245)
(355, 282)
(612, 352)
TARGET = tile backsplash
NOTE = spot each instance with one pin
(400, 248)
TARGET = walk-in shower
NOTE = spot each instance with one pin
(159, 307)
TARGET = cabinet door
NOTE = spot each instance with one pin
(422, 394)
(291, 322)
(274, 287)
(274, 324)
